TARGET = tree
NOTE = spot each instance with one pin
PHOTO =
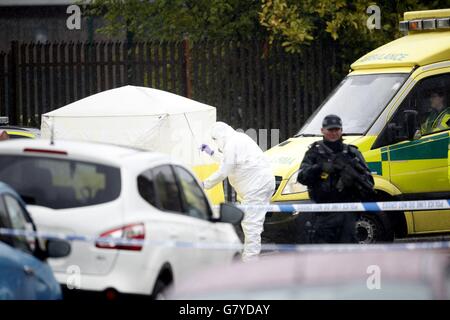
(299, 22)
(175, 19)
(295, 23)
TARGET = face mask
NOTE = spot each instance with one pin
(219, 134)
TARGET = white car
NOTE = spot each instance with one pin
(95, 190)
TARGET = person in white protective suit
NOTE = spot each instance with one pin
(249, 173)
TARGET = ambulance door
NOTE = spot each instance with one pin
(419, 163)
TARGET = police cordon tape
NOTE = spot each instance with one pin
(415, 205)
(373, 207)
(438, 245)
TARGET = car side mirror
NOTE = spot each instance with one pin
(57, 248)
(230, 213)
(411, 123)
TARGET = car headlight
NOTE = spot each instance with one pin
(292, 186)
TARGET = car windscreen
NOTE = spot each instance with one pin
(358, 100)
(60, 183)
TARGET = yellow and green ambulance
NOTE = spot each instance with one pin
(383, 102)
(15, 132)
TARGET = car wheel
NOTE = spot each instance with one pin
(372, 228)
(159, 290)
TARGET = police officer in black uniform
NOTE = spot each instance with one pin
(334, 172)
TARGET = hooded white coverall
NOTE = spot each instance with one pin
(249, 173)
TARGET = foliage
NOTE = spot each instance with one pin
(299, 22)
(295, 23)
(175, 19)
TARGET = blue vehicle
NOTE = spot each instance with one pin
(24, 273)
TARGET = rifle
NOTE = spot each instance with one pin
(353, 173)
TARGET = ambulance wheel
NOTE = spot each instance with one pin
(374, 227)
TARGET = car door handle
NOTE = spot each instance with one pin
(202, 237)
(173, 237)
(29, 271)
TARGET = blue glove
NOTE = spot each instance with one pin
(207, 149)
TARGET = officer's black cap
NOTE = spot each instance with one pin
(331, 121)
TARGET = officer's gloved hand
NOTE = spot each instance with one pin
(346, 179)
(205, 148)
(327, 167)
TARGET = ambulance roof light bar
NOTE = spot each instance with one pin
(424, 24)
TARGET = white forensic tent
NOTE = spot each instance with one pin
(145, 118)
